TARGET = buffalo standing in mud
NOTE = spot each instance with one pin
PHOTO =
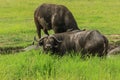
(86, 42)
(56, 17)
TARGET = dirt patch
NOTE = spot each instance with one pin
(8, 50)
(113, 37)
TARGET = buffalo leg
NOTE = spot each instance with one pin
(38, 26)
(44, 24)
(46, 32)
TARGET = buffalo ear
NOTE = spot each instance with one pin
(41, 42)
(57, 43)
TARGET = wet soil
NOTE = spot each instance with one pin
(8, 50)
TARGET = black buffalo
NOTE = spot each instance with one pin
(56, 17)
(91, 42)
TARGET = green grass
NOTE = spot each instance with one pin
(35, 65)
(16, 18)
(17, 29)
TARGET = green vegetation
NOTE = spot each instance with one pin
(17, 29)
(16, 18)
(35, 65)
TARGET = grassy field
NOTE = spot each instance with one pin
(35, 65)
(16, 18)
(17, 29)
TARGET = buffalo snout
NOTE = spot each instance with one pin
(48, 46)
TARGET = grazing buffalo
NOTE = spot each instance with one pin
(56, 17)
(86, 42)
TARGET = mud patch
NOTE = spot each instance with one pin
(114, 38)
(114, 51)
(8, 50)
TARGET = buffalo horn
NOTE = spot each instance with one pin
(56, 39)
(43, 38)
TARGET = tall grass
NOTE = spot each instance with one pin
(34, 65)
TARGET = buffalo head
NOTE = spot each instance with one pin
(49, 43)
